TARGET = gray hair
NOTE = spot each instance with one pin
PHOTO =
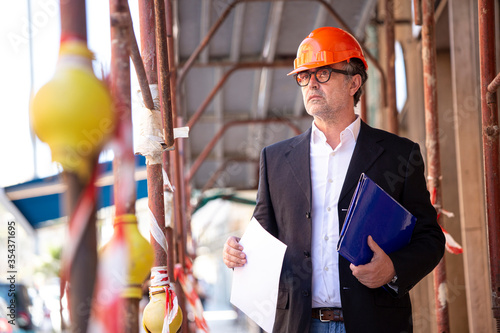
(356, 67)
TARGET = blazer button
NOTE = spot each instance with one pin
(307, 254)
(305, 293)
(308, 215)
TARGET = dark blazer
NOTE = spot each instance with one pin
(284, 209)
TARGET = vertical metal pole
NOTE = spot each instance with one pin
(167, 165)
(417, 12)
(179, 211)
(32, 89)
(154, 171)
(73, 19)
(84, 266)
(123, 164)
(163, 72)
(82, 275)
(179, 223)
(432, 143)
(120, 89)
(392, 111)
(489, 108)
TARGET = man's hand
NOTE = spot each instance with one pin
(232, 253)
(378, 272)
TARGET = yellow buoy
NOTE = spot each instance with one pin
(154, 313)
(72, 112)
(140, 254)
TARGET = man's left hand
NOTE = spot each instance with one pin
(378, 272)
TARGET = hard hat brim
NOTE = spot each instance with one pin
(310, 65)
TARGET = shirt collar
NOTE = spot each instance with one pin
(352, 130)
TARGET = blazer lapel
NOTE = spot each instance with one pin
(299, 161)
(365, 153)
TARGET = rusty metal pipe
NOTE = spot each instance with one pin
(73, 19)
(166, 155)
(82, 276)
(417, 12)
(120, 90)
(156, 206)
(195, 117)
(493, 86)
(392, 110)
(188, 64)
(177, 156)
(491, 150)
(148, 40)
(208, 148)
(432, 143)
(123, 163)
(163, 73)
(179, 201)
(140, 70)
(154, 171)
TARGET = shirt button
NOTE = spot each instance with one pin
(330, 180)
(326, 238)
(328, 209)
(326, 268)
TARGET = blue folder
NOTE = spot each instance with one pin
(373, 212)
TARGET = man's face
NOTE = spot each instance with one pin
(327, 100)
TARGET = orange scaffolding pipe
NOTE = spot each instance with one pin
(82, 275)
(491, 150)
(433, 150)
(123, 163)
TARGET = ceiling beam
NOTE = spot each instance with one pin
(236, 38)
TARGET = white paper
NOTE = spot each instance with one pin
(255, 285)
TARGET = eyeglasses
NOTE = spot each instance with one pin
(322, 75)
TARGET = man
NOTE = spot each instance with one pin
(305, 187)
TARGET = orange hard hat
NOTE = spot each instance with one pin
(325, 46)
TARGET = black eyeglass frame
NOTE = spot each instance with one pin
(330, 70)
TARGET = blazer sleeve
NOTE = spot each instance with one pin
(426, 248)
(264, 212)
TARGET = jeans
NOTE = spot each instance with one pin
(329, 327)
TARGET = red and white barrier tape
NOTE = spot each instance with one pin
(451, 245)
(192, 297)
(107, 304)
(79, 221)
(160, 281)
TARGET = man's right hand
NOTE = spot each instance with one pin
(233, 253)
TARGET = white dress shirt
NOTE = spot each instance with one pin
(328, 171)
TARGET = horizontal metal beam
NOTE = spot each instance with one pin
(208, 148)
(194, 119)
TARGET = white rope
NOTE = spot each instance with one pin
(160, 281)
(159, 276)
(157, 233)
(150, 139)
(166, 181)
